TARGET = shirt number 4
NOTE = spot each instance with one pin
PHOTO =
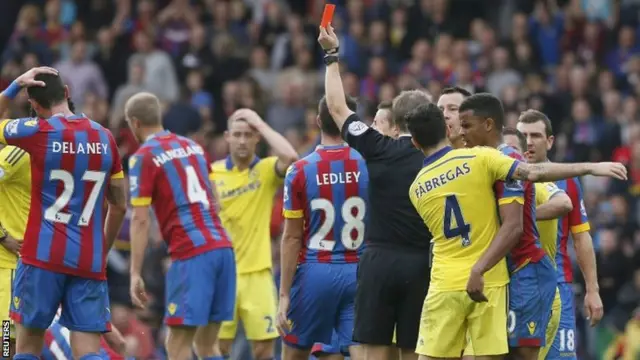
(454, 224)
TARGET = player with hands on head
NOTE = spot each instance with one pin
(67, 236)
(171, 173)
(325, 207)
(246, 185)
(537, 129)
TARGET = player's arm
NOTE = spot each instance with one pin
(141, 185)
(510, 201)
(548, 171)
(558, 205)
(216, 197)
(116, 195)
(279, 144)
(292, 238)
(25, 80)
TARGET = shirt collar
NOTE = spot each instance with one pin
(159, 133)
(230, 165)
(436, 155)
(330, 147)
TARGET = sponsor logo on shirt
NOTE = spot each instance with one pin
(357, 128)
(12, 127)
(31, 123)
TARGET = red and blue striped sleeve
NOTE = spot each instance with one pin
(142, 173)
(578, 220)
(511, 190)
(293, 197)
(21, 132)
(116, 167)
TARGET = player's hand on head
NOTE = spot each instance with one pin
(593, 308)
(138, 293)
(475, 287)
(248, 115)
(28, 78)
(609, 169)
(282, 321)
(328, 38)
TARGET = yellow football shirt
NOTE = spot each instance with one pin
(454, 195)
(246, 199)
(15, 197)
(548, 229)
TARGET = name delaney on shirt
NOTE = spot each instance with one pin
(90, 148)
(177, 153)
(339, 178)
(442, 179)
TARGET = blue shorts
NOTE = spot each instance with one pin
(531, 293)
(334, 347)
(322, 300)
(564, 345)
(37, 294)
(201, 290)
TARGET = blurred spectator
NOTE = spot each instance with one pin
(82, 76)
(160, 76)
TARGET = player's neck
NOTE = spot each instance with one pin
(327, 140)
(242, 163)
(432, 150)
(146, 132)
(61, 109)
(496, 142)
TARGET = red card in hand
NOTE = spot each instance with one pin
(327, 15)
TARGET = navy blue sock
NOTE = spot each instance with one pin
(92, 356)
(25, 357)
(214, 358)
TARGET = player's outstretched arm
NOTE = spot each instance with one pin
(333, 88)
(283, 149)
(289, 250)
(117, 199)
(549, 171)
(559, 205)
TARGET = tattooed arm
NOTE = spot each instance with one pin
(549, 171)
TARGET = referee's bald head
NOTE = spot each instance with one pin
(404, 103)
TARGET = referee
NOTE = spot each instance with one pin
(393, 273)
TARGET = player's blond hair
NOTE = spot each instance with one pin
(144, 107)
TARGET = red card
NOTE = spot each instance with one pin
(327, 15)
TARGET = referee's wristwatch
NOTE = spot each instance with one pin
(330, 59)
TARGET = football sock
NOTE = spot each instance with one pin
(91, 356)
(25, 357)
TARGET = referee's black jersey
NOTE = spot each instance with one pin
(393, 165)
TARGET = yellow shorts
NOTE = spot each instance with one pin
(6, 282)
(256, 307)
(552, 328)
(450, 320)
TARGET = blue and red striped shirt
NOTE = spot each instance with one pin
(575, 222)
(172, 173)
(528, 249)
(73, 160)
(328, 188)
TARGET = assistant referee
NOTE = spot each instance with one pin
(393, 273)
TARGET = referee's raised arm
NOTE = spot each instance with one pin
(393, 272)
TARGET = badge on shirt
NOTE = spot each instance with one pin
(12, 127)
(513, 185)
(133, 183)
(31, 123)
(583, 209)
(357, 128)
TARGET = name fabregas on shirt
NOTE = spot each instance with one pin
(442, 179)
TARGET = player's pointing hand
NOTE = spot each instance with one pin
(28, 78)
(610, 169)
(138, 293)
(282, 322)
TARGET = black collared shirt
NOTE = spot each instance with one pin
(393, 165)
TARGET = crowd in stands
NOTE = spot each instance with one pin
(576, 60)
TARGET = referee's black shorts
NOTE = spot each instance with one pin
(392, 286)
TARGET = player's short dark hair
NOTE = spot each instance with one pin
(427, 125)
(406, 102)
(327, 124)
(49, 95)
(144, 107)
(533, 116)
(521, 138)
(456, 90)
(485, 105)
(385, 105)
